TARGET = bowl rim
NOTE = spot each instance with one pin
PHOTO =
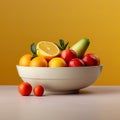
(59, 67)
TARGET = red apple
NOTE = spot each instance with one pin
(91, 59)
(76, 62)
(67, 55)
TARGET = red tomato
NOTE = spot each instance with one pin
(67, 55)
(25, 89)
(76, 62)
(38, 90)
(91, 60)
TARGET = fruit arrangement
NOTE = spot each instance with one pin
(49, 54)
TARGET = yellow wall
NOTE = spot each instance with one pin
(25, 21)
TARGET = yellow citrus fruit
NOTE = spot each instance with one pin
(47, 49)
(25, 60)
(38, 62)
(57, 62)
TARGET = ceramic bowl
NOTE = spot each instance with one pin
(62, 79)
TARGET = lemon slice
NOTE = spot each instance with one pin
(47, 49)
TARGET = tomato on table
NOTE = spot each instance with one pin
(38, 90)
(25, 88)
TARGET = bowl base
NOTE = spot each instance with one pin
(61, 92)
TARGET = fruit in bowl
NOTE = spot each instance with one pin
(58, 68)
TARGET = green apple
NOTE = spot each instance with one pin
(81, 46)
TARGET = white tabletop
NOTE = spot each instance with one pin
(91, 103)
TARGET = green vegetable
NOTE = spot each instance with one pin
(80, 47)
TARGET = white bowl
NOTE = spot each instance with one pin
(62, 79)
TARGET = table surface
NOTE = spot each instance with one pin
(91, 103)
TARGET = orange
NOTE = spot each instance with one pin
(57, 62)
(47, 49)
(39, 62)
(25, 60)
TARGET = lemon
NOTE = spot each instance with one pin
(57, 62)
(47, 49)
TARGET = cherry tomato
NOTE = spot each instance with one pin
(38, 90)
(25, 88)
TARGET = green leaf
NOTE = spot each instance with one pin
(62, 45)
(33, 49)
(66, 45)
(61, 42)
(58, 46)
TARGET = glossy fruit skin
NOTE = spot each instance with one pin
(68, 54)
(57, 62)
(25, 60)
(76, 62)
(38, 90)
(25, 88)
(91, 59)
(38, 62)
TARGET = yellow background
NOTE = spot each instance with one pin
(25, 21)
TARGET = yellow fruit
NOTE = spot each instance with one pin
(47, 49)
(25, 60)
(57, 62)
(38, 62)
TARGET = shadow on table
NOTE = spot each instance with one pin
(98, 90)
